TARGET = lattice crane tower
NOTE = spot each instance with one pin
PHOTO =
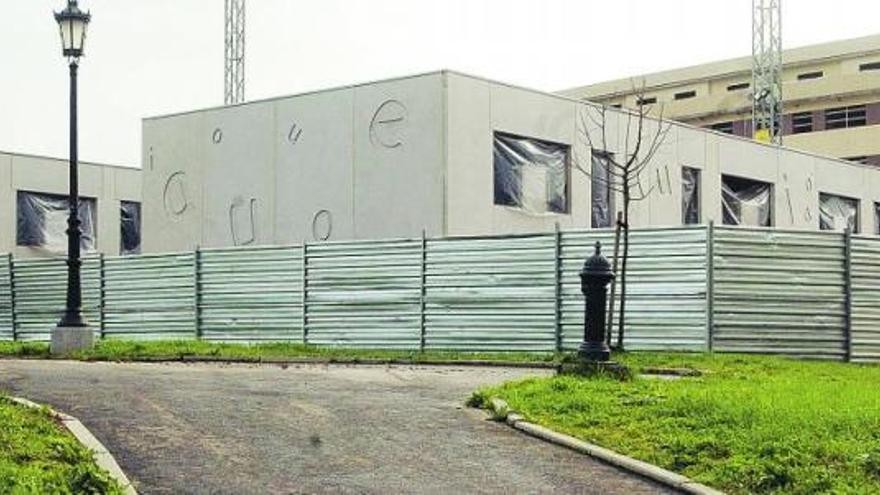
(767, 70)
(234, 80)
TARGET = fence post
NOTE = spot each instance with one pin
(848, 299)
(197, 297)
(423, 293)
(12, 296)
(710, 285)
(101, 295)
(305, 292)
(557, 260)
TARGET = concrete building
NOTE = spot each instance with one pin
(831, 97)
(433, 152)
(34, 190)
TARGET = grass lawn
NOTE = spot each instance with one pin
(37, 455)
(749, 424)
(115, 350)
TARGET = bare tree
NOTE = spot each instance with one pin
(620, 171)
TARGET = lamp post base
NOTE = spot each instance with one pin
(69, 339)
(594, 351)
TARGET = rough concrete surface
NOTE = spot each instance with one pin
(184, 428)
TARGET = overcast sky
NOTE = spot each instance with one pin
(153, 57)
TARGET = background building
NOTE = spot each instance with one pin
(831, 96)
(451, 154)
(33, 219)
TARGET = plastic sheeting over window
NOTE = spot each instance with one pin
(42, 221)
(531, 174)
(130, 234)
(877, 218)
(690, 195)
(601, 195)
(746, 202)
(838, 213)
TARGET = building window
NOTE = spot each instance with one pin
(838, 213)
(647, 100)
(42, 221)
(130, 228)
(746, 202)
(739, 86)
(844, 117)
(806, 76)
(684, 95)
(802, 122)
(690, 195)
(601, 190)
(724, 127)
(870, 66)
(877, 218)
(531, 174)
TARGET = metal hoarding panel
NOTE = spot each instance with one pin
(41, 294)
(780, 292)
(865, 299)
(364, 294)
(491, 294)
(666, 287)
(6, 330)
(150, 297)
(251, 295)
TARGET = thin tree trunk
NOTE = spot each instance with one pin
(620, 324)
(610, 324)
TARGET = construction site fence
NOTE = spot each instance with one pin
(695, 288)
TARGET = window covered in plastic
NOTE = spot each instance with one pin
(690, 195)
(42, 221)
(746, 202)
(601, 193)
(130, 234)
(877, 218)
(838, 213)
(531, 174)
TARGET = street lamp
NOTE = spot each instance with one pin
(73, 331)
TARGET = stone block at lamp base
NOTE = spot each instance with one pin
(589, 369)
(70, 339)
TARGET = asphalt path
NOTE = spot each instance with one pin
(241, 429)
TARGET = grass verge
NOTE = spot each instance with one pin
(37, 455)
(749, 424)
(115, 350)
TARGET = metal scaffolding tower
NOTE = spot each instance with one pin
(234, 51)
(767, 70)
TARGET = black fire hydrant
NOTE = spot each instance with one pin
(594, 282)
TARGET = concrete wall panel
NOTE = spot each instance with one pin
(399, 158)
(173, 182)
(239, 176)
(314, 187)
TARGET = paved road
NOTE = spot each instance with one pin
(178, 428)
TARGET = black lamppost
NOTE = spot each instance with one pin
(73, 331)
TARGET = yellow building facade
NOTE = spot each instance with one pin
(831, 95)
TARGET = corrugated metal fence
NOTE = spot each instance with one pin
(689, 288)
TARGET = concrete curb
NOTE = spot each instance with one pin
(103, 458)
(502, 412)
(296, 361)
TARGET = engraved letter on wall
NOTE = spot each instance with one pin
(387, 126)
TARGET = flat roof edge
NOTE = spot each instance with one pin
(296, 95)
(66, 160)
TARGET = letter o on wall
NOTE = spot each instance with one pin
(322, 225)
